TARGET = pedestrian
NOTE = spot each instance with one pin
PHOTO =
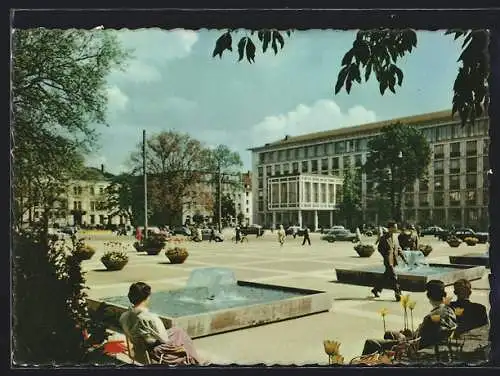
(212, 235)
(306, 236)
(238, 234)
(388, 247)
(281, 235)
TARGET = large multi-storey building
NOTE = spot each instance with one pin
(455, 191)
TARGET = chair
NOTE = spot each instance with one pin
(408, 348)
(448, 341)
(137, 351)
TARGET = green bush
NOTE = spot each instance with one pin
(49, 306)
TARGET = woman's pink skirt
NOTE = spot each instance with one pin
(180, 350)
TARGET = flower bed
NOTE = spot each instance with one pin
(471, 241)
(426, 249)
(84, 252)
(114, 260)
(154, 243)
(364, 250)
(139, 247)
(176, 255)
(454, 242)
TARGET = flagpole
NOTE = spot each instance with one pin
(145, 183)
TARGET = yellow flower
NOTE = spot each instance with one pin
(383, 312)
(435, 318)
(412, 304)
(331, 347)
(459, 311)
(405, 299)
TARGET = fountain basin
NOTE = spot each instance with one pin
(414, 279)
(257, 304)
(479, 259)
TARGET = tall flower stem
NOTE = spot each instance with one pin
(411, 315)
(383, 319)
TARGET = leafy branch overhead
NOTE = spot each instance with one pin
(246, 45)
(379, 51)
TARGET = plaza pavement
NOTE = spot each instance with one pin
(353, 318)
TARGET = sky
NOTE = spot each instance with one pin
(172, 82)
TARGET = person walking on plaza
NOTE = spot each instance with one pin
(389, 248)
(281, 235)
(212, 235)
(238, 234)
(306, 236)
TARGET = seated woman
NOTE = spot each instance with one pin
(148, 334)
(436, 325)
(474, 314)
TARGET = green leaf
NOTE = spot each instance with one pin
(274, 46)
(260, 34)
(267, 39)
(279, 37)
(382, 86)
(399, 74)
(241, 47)
(346, 60)
(341, 79)
(250, 51)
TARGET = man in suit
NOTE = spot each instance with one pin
(307, 237)
(474, 314)
(388, 247)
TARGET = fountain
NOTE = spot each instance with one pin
(481, 259)
(412, 276)
(214, 301)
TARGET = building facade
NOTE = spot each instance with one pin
(455, 192)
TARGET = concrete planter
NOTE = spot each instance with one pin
(364, 250)
(426, 249)
(114, 265)
(454, 243)
(153, 251)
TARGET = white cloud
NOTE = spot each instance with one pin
(151, 48)
(117, 100)
(322, 115)
(178, 103)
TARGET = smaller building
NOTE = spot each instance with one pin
(304, 199)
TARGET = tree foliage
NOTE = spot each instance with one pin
(121, 194)
(49, 308)
(397, 158)
(175, 166)
(378, 51)
(350, 207)
(58, 91)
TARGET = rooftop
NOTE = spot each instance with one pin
(422, 119)
(94, 174)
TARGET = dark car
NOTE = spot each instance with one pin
(340, 235)
(205, 233)
(181, 230)
(297, 230)
(463, 233)
(70, 230)
(252, 230)
(432, 230)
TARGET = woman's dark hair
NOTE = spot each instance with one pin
(138, 292)
(463, 288)
(435, 290)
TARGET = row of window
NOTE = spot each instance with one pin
(323, 166)
(454, 149)
(471, 215)
(454, 198)
(94, 205)
(77, 190)
(433, 134)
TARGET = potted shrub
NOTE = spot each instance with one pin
(114, 260)
(453, 241)
(177, 254)
(471, 241)
(364, 250)
(154, 243)
(139, 247)
(84, 251)
(426, 249)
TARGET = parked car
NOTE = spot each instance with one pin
(180, 230)
(432, 230)
(70, 230)
(463, 233)
(327, 230)
(299, 231)
(340, 235)
(205, 232)
(252, 230)
(55, 232)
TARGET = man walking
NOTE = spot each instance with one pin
(306, 236)
(389, 248)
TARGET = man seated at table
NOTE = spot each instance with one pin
(434, 328)
(469, 315)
